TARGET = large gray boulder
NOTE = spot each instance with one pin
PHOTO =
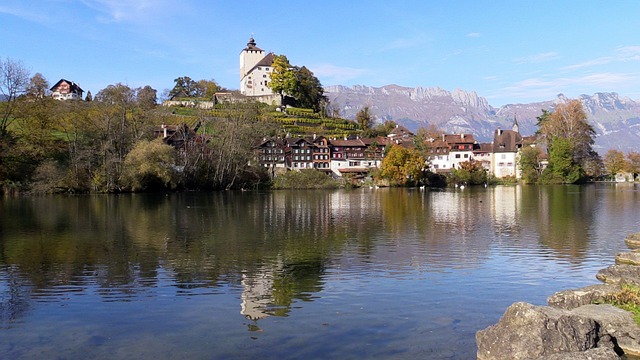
(591, 354)
(620, 274)
(526, 331)
(616, 327)
(571, 299)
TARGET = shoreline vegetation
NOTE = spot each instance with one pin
(116, 141)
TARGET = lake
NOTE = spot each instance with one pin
(366, 273)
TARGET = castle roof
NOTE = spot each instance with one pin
(251, 45)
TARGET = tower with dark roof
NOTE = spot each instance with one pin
(255, 70)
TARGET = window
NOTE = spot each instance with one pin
(457, 156)
(466, 156)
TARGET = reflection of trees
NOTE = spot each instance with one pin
(274, 247)
(563, 215)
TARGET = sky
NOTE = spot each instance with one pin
(506, 51)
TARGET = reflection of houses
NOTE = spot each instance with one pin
(66, 90)
(257, 295)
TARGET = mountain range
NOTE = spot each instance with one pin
(615, 119)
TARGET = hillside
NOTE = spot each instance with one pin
(615, 119)
(292, 122)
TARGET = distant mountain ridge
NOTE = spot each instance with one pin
(616, 119)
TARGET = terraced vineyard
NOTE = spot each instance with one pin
(293, 121)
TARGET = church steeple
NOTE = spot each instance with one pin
(515, 128)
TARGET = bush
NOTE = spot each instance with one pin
(149, 166)
(305, 179)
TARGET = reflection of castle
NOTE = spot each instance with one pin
(257, 295)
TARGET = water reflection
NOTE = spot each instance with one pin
(273, 253)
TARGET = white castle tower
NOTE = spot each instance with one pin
(255, 70)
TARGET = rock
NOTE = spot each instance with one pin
(591, 354)
(616, 326)
(571, 299)
(526, 331)
(633, 241)
(620, 274)
(629, 258)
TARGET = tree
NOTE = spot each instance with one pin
(89, 97)
(562, 168)
(206, 89)
(308, 91)
(633, 161)
(364, 118)
(146, 97)
(283, 78)
(569, 121)
(184, 87)
(149, 166)
(470, 172)
(38, 87)
(14, 80)
(614, 162)
(402, 166)
(529, 163)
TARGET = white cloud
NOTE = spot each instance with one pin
(473, 35)
(544, 87)
(621, 54)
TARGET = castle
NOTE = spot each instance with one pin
(255, 73)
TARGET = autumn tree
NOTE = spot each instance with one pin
(38, 87)
(283, 78)
(568, 124)
(402, 166)
(470, 172)
(149, 166)
(614, 162)
(633, 161)
(568, 121)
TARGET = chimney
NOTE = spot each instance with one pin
(461, 136)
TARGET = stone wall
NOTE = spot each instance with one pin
(572, 326)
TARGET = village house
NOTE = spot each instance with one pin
(66, 90)
(460, 148)
(506, 147)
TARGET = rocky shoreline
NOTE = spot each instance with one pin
(571, 326)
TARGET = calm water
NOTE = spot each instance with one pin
(377, 274)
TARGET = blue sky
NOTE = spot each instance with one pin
(507, 51)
